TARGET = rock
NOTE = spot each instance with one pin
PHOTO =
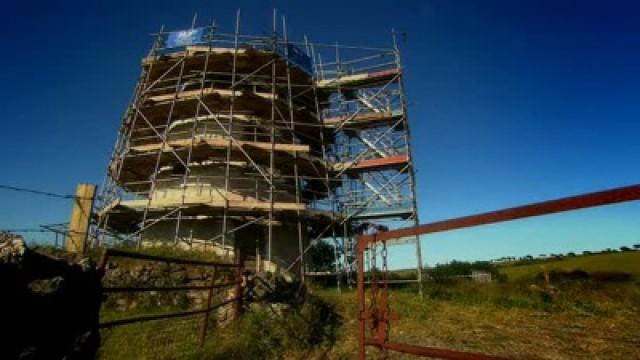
(53, 305)
(179, 277)
(12, 251)
(46, 286)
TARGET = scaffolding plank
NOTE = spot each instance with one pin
(220, 143)
(189, 94)
(358, 80)
(363, 119)
(247, 203)
(372, 164)
(190, 51)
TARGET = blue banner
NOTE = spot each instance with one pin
(184, 37)
(298, 57)
(295, 55)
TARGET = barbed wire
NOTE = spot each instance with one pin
(37, 192)
(44, 193)
(41, 229)
(24, 230)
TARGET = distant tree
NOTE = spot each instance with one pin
(571, 254)
(625, 248)
(636, 246)
(586, 252)
(321, 257)
(456, 268)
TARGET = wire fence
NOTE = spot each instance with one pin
(43, 234)
(170, 306)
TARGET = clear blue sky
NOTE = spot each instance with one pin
(511, 102)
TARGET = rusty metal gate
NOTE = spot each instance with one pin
(375, 313)
(232, 280)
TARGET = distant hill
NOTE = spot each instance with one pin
(627, 261)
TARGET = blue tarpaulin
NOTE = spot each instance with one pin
(297, 57)
(184, 37)
(196, 36)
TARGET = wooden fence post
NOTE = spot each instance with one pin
(80, 217)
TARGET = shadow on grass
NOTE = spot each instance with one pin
(277, 330)
(294, 324)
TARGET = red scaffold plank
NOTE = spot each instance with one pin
(380, 163)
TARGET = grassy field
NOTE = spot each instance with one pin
(628, 261)
(585, 319)
(263, 332)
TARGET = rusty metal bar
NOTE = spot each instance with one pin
(113, 323)
(594, 199)
(135, 255)
(236, 283)
(174, 288)
(607, 197)
(427, 351)
(153, 288)
(205, 320)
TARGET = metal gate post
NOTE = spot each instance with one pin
(362, 318)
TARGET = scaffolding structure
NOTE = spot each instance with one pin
(261, 144)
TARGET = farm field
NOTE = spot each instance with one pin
(628, 261)
(583, 322)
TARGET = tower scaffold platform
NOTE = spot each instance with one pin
(263, 145)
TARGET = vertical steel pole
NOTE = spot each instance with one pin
(360, 246)
(194, 128)
(273, 135)
(124, 136)
(227, 168)
(325, 157)
(408, 149)
(297, 181)
(154, 176)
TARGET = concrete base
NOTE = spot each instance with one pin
(251, 241)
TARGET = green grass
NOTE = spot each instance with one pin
(263, 332)
(585, 319)
(628, 262)
(508, 319)
(160, 339)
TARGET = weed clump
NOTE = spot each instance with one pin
(270, 331)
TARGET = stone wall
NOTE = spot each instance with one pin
(127, 273)
(50, 306)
